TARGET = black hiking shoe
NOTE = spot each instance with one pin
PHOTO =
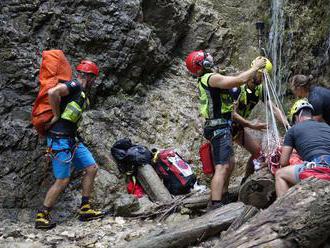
(44, 221)
(230, 197)
(243, 180)
(211, 206)
(86, 213)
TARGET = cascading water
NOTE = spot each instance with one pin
(275, 46)
(326, 56)
(275, 87)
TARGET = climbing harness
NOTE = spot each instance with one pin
(52, 154)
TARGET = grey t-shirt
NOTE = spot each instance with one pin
(310, 138)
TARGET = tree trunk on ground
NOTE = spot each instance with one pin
(188, 232)
(152, 184)
(259, 189)
(248, 213)
(298, 219)
(197, 201)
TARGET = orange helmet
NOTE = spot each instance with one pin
(88, 66)
(196, 61)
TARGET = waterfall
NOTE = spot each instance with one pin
(275, 46)
(327, 51)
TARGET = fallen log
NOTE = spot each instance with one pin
(191, 231)
(152, 184)
(248, 213)
(259, 189)
(298, 219)
(197, 201)
(193, 201)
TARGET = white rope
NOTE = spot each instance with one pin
(270, 96)
(277, 100)
(267, 114)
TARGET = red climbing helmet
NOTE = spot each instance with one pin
(88, 66)
(196, 61)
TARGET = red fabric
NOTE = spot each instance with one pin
(54, 67)
(274, 160)
(318, 172)
(164, 155)
(134, 189)
(205, 155)
(295, 158)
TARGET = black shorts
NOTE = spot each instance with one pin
(221, 141)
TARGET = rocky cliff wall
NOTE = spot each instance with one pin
(144, 91)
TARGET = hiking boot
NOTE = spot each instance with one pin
(243, 180)
(229, 197)
(86, 213)
(211, 206)
(44, 221)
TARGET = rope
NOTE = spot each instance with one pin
(274, 130)
(276, 98)
(273, 152)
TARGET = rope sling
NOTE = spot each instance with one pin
(272, 151)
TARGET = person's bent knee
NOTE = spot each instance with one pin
(279, 173)
(92, 169)
(62, 183)
(221, 168)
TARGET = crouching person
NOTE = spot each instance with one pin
(310, 138)
(68, 100)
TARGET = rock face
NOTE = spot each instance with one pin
(143, 91)
(129, 47)
(308, 39)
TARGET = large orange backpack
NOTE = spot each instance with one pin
(54, 67)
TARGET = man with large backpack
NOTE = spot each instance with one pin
(68, 100)
(216, 106)
(311, 139)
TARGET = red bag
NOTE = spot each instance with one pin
(318, 172)
(177, 174)
(205, 156)
(134, 188)
(54, 67)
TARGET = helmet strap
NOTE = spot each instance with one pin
(299, 116)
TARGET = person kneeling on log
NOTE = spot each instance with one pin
(247, 97)
(310, 138)
(216, 106)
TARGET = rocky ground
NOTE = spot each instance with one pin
(108, 232)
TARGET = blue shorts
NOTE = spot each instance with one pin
(67, 152)
(324, 159)
(221, 141)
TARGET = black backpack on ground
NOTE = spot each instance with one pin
(128, 156)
